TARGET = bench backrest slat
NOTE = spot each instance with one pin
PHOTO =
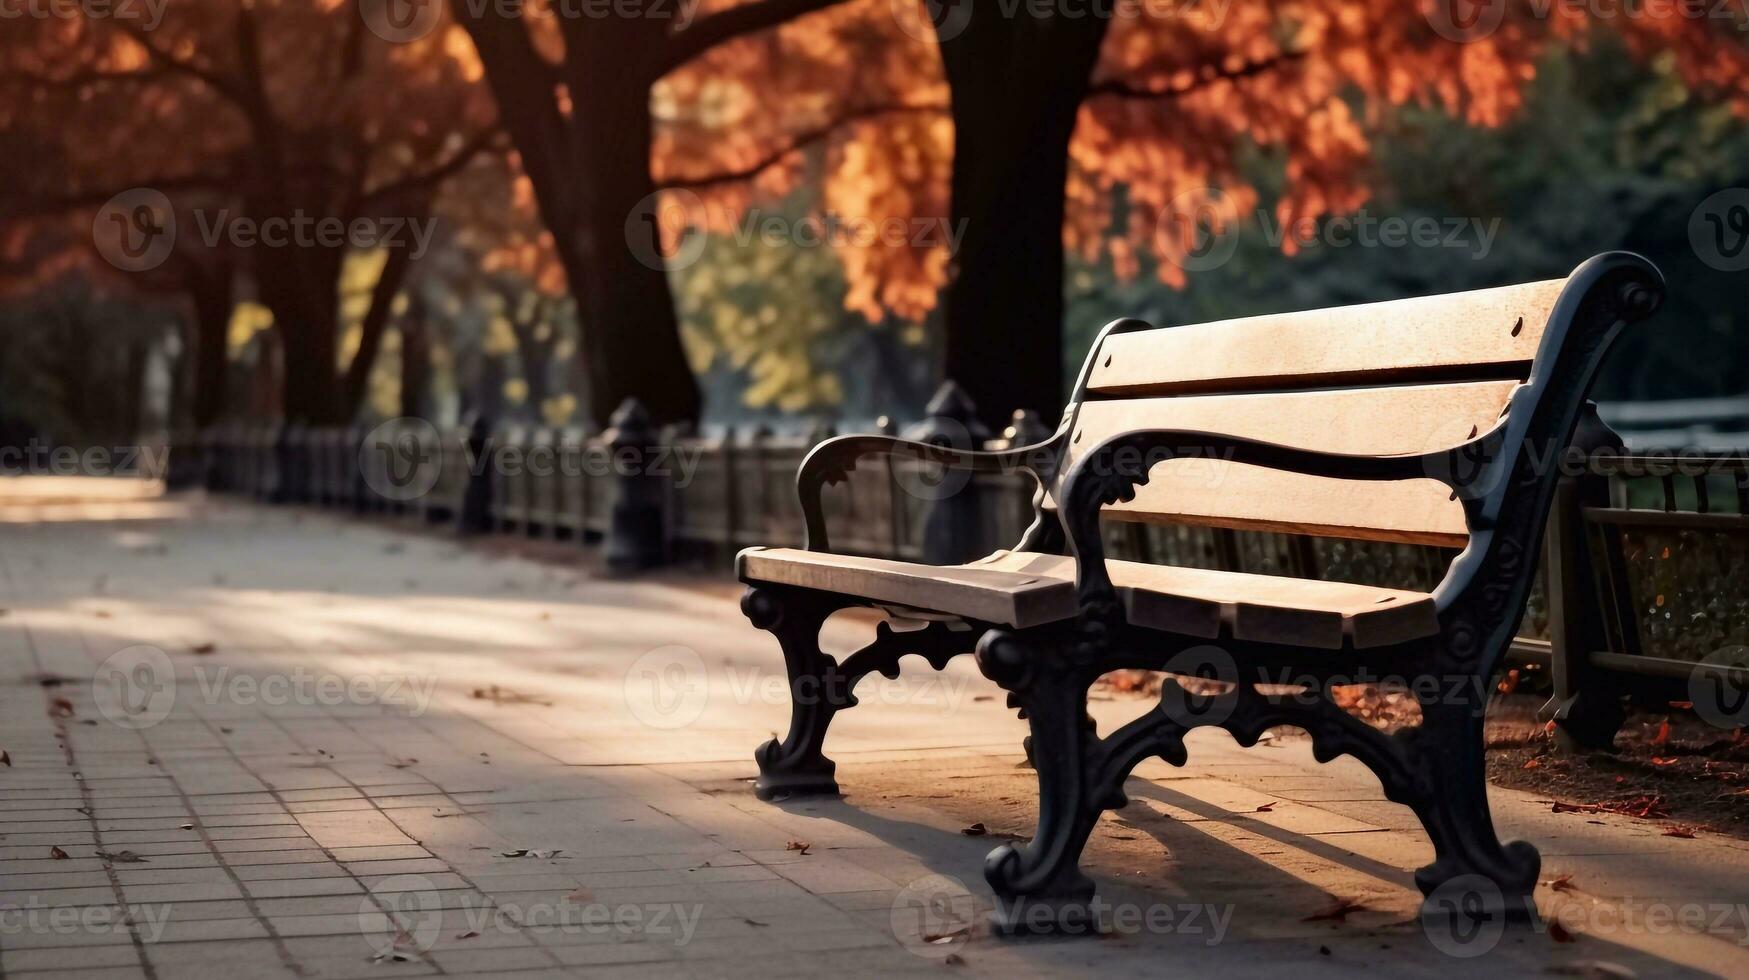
(1405, 377)
(1478, 334)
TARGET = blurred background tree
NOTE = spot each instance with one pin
(608, 242)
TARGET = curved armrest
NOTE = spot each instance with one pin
(831, 462)
(1111, 471)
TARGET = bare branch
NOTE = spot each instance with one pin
(426, 180)
(21, 205)
(796, 143)
(183, 66)
(1121, 89)
(708, 32)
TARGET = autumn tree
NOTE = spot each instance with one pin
(1114, 132)
(278, 114)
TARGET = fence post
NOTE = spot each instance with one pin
(474, 516)
(1586, 706)
(953, 519)
(636, 538)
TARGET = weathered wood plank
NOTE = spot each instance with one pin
(1023, 589)
(1476, 334)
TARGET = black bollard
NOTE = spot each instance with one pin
(954, 522)
(636, 537)
(474, 516)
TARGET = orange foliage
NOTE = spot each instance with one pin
(1181, 87)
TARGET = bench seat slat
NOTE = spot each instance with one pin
(1477, 334)
(1023, 589)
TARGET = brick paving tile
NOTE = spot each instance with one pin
(313, 821)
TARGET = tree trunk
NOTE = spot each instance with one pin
(355, 386)
(415, 362)
(1017, 85)
(590, 170)
(213, 299)
(630, 336)
(301, 285)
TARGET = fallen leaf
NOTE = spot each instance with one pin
(1509, 683)
(470, 934)
(186, 826)
(580, 895)
(5, 758)
(60, 708)
(1594, 969)
(954, 959)
(798, 845)
(1265, 808)
(1687, 833)
(57, 854)
(1562, 884)
(975, 830)
(121, 857)
(1338, 911)
(1663, 736)
(1532, 764)
(1664, 760)
(202, 648)
(1682, 705)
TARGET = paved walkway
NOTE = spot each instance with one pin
(279, 743)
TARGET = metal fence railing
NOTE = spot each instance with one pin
(1642, 584)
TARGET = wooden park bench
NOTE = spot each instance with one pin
(1437, 420)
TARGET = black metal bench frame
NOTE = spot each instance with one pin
(1505, 479)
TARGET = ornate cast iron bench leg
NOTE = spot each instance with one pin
(796, 766)
(1039, 887)
(820, 686)
(1472, 870)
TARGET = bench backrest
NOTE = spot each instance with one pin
(1403, 377)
